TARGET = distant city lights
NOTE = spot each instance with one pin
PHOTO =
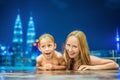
(117, 40)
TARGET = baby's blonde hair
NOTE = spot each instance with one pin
(47, 36)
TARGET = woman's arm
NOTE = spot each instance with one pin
(99, 64)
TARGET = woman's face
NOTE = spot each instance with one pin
(72, 47)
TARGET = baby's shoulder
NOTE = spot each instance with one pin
(39, 58)
(58, 54)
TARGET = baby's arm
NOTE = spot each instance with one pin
(61, 66)
(38, 63)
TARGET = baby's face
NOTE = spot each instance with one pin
(47, 47)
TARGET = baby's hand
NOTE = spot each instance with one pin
(48, 66)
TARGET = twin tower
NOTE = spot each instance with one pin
(20, 56)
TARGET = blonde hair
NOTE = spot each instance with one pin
(47, 36)
(84, 56)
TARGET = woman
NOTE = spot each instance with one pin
(77, 55)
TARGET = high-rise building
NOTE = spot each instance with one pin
(17, 42)
(30, 36)
(30, 40)
(117, 41)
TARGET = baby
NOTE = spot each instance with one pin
(50, 59)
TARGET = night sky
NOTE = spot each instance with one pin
(98, 19)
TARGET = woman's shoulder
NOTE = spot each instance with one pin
(94, 57)
(97, 60)
(91, 56)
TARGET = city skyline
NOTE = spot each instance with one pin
(98, 20)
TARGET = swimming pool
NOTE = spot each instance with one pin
(31, 73)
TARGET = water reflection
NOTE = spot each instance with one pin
(60, 75)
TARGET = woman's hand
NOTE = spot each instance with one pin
(85, 67)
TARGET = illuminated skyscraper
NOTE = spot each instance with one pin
(30, 40)
(30, 36)
(117, 41)
(17, 42)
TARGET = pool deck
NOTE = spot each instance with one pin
(35, 74)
